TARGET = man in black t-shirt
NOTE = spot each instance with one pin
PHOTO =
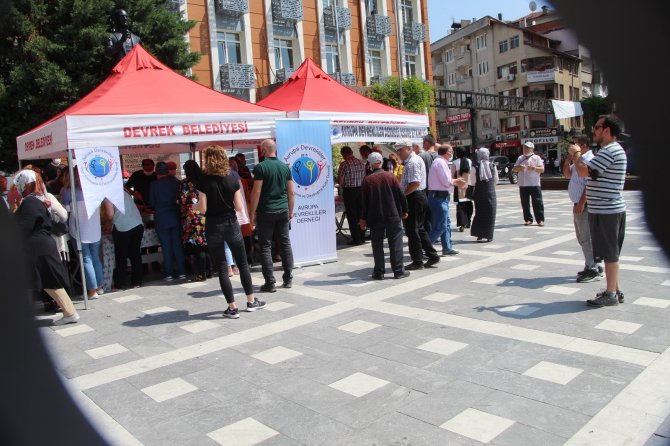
(140, 181)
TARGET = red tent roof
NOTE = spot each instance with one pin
(140, 84)
(143, 102)
(311, 89)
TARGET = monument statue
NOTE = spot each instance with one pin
(121, 40)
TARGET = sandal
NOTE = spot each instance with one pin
(541, 223)
(528, 223)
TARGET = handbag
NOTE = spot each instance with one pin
(470, 192)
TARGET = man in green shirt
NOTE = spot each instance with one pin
(271, 212)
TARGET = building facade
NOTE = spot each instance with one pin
(531, 58)
(249, 47)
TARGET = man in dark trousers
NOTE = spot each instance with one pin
(350, 177)
(271, 211)
(384, 208)
(413, 185)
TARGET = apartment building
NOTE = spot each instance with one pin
(508, 59)
(251, 46)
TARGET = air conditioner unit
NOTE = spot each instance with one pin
(510, 77)
(498, 138)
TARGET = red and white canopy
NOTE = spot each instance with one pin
(311, 94)
(149, 108)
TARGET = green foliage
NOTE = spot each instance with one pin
(52, 54)
(417, 96)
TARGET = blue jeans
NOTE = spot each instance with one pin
(439, 208)
(229, 255)
(173, 251)
(92, 264)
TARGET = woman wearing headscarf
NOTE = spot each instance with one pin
(220, 199)
(484, 197)
(46, 269)
(462, 169)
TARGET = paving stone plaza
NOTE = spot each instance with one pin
(494, 346)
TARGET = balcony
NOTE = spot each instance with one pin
(234, 75)
(379, 25)
(348, 79)
(283, 74)
(464, 60)
(231, 7)
(377, 79)
(287, 9)
(414, 32)
(175, 5)
(343, 18)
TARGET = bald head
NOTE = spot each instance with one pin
(269, 147)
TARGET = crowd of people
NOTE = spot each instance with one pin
(412, 193)
(209, 216)
(201, 221)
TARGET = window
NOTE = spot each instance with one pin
(407, 13)
(228, 45)
(451, 79)
(329, 3)
(283, 53)
(481, 41)
(504, 70)
(483, 68)
(502, 45)
(375, 63)
(332, 58)
(486, 121)
(561, 93)
(514, 42)
(410, 65)
(450, 55)
(371, 6)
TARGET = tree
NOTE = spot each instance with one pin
(417, 96)
(52, 54)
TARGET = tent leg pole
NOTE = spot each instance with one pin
(70, 164)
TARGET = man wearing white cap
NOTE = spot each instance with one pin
(413, 185)
(529, 166)
(384, 206)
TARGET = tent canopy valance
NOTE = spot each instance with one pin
(311, 94)
(144, 104)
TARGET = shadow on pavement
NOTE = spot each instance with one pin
(535, 310)
(171, 317)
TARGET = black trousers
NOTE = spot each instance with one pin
(464, 213)
(219, 232)
(393, 232)
(352, 206)
(417, 237)
(127, 246)
(269, 225)
(534, 195)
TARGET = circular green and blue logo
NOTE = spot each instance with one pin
(310, 169)
(99, 166)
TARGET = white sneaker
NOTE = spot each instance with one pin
(100, 291)
(94, 297)
(71, 319)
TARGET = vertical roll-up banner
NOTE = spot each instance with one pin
(304, 146)
(100, 177)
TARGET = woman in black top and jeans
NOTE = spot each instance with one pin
(220, 198)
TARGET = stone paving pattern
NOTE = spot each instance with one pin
(494, 346)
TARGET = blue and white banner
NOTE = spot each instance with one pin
(304, 145)
(100, 177)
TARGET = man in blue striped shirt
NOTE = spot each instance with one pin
(606, 206)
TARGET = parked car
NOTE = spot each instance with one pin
(504, 167)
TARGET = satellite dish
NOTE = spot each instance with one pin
(532, 6)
